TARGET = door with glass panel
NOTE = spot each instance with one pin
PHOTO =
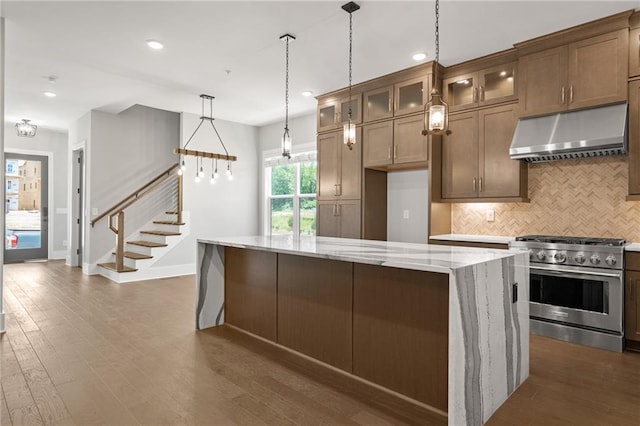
(26, 207)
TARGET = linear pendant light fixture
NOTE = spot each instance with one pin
(436, 111)
(286, 137)
(201, 155)
(25, 129)
(349, 135)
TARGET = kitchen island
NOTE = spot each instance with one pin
(446, 326)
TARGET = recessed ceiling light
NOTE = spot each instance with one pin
(419, 56)
(307, 93)
(49, 94)
(155, 44)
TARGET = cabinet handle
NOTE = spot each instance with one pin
(388, 153)
(474, 184)
(571, 94)
(475, 94)
(339, 189)
(481, 93)
(337, 209)
(395, 152)
(562, 94)
(390, 105)
(480, 185)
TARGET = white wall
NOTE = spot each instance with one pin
(2, 328)
(55, 145)
(227, 208)
(124, 152)
(303, 133)
(79, 137)
(408, 191)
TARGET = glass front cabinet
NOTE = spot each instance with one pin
(333, 113)
(489, 86)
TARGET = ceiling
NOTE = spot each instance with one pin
(231, 50)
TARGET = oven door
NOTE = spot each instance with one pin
(586, 297)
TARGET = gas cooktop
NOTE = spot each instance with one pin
(584, 241)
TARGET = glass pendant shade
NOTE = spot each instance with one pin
(349, 134)
(26, 129)
(286, 144)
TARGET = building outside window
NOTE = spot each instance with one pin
(290, 188)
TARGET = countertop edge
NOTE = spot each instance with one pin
(492, 239)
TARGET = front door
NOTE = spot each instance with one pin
(26, 207)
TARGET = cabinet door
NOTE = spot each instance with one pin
(350, 217)
(329, 150)
(634, 137)
(598, 69)
(461, 91)
(409, 144)
(327, 116)
(356, 109)
(499, 174)
(377, 144)
(350, 184)
(411, 95)
(460, 157)
(378, 104)
(632, 306)
(327, 221)
(634, 52)
(543, 82)
(497, 84)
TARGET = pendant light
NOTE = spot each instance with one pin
(286, 137)
(349, 135)
(26, 129)
(436, 111)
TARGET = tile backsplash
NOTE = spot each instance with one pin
(582, 197)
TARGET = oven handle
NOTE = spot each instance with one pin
(566, 271)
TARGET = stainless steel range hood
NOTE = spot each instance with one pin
(578, 134)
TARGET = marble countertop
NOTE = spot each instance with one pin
(421, 257)
(494, 239)
(632, 247)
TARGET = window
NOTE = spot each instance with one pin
(290, 186)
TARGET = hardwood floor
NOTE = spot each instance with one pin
(83, 350)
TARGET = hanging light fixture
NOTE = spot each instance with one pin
(26, 129)
(349, 135)
(201, 155)
(286, 137)
(436, 111)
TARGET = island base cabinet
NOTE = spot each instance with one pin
(314, 310)
(400, 331)
(250, 291)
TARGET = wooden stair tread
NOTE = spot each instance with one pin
(162, 233)
(112, 266)
(146, 244)
(167, 222)
(134, 255)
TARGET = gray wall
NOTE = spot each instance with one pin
(124, 152)
(227, 208)
(54, 143)
(407, 191)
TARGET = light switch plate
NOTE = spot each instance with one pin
(405, 214)
(490, 215)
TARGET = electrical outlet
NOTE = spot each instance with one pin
(490, 215)
(405, 214)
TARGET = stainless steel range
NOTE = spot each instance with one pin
(577, 288)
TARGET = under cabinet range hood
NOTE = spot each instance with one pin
(578, 134)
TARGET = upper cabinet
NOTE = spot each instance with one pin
(378, 104)
(634, 52)
(480, 88)
(334, 112)
(411, 95)
(398, 141)
(339, 168)
(582, 74)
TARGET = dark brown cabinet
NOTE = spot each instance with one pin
(632, 298)
(583, 74)
(634, 52)
(475, 157)
(481, 88)
(396, 141)
(634, 138)
(339, 168)
(340, 219)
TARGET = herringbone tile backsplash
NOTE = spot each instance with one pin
(583, 197)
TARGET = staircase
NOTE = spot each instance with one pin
(134, 256)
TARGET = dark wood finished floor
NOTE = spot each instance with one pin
(83, 350)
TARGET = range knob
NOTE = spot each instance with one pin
(541, 255)
(595, 259)
(560, 257)
(579, 258)
(611, 260)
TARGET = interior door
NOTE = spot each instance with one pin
(26, 207)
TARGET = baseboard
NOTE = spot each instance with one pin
(58, 254)
(149, 274)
